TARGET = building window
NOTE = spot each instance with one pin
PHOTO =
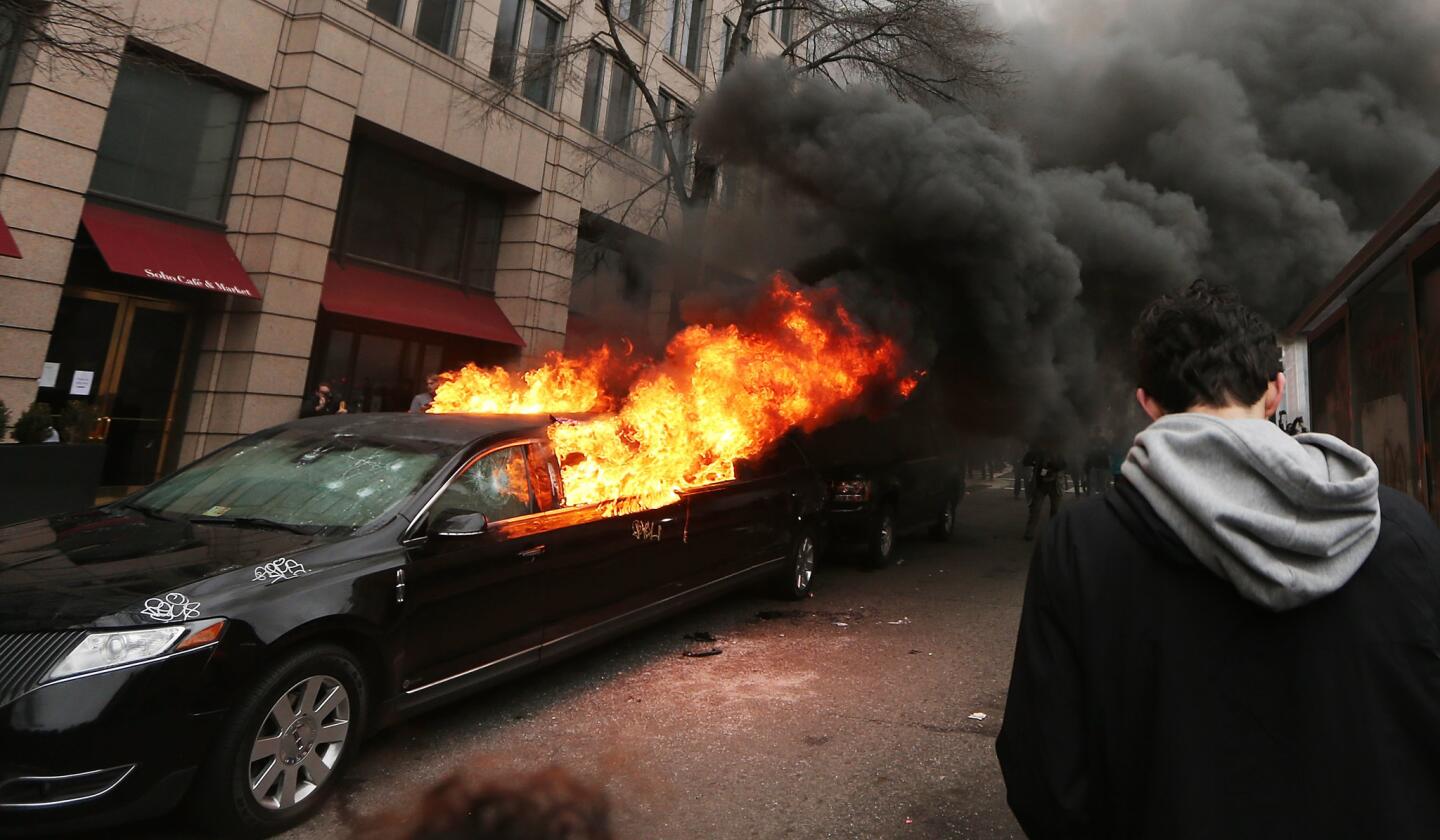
(787, 25)
(1426, 271)
(674, 120)
(1381, 331)
(507, 37)
(170, 140)
(618, 114)
(435, 23)
(594, 81)
(632, 12)
(377, 366)
(409, 214)
(725, 45)
(12, 32)
(684, 39)
(540, 59)
(387, 10)
(1330, 383)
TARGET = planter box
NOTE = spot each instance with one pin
(43, 479)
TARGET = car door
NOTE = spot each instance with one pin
(919, 471)
(471, 601)
(606, 566)
(737, 524)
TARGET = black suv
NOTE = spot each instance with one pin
(887, 477)
(233, 631)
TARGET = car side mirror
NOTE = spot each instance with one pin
(457, 524)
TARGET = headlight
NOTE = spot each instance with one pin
(101, 650)
(854, 490)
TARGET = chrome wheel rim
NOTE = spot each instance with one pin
(298, 743)
(887, 535)
(804, 564)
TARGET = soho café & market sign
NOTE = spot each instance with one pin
(199, 283)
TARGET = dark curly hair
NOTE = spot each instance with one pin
(1202, 346)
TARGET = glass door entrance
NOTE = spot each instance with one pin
(122, 356)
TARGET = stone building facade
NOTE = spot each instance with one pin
(391, 212)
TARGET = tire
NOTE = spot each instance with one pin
(944, 528)
(798, 577)
(301, 750)
(880, 552)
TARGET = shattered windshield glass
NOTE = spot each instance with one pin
(299, 478)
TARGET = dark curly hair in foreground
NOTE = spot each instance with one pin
(548, 805)
(1202, 346)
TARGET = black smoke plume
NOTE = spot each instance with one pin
(1143, 145)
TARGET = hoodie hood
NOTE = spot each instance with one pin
(1285, 520)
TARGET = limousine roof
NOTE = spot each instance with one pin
(456, 429)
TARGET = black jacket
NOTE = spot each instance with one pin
(1045, 468)
(1148, 699)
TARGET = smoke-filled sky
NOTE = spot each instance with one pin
(1142, 144)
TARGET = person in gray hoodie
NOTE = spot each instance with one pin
(1243, 638)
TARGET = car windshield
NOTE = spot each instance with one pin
(299, 478)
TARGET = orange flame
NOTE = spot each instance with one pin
(722, 393)
(559, 385)
(910, 383)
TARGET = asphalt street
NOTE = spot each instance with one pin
(855, 713)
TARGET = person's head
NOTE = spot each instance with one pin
(1202, 350)
(472, 805)
(432, 382)
(323, 389)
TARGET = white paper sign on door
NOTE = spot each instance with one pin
(49, 374)
(80, 383)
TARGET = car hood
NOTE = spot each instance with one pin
(77, 569)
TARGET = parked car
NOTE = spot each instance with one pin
(888, 477)
(232, 632)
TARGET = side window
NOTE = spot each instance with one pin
(545, 477)
(495, 485)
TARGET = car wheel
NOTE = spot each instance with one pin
(290, 736)
(881, 549)
(799, 573)
(944, 527)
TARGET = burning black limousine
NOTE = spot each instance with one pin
(231, 633)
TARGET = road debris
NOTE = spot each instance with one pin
(714, 651)
(978, 716)
(905, 620)
(841, 624)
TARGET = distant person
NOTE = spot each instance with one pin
(320, 402)
(1097, 469)
(1018, 473)
(548, 805)
(1242, 639)
(1045, 471)
(421, 401)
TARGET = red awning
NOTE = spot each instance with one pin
(8, 248)
(363, 291)
(159, 249)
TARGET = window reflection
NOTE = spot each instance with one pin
(169, 139)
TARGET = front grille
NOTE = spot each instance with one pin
(25, 659)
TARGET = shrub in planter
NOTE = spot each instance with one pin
(77, 421)
(4, 419)
(34, 425)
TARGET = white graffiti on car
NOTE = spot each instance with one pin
(171, 607)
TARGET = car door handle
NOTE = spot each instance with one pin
(531, 553)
